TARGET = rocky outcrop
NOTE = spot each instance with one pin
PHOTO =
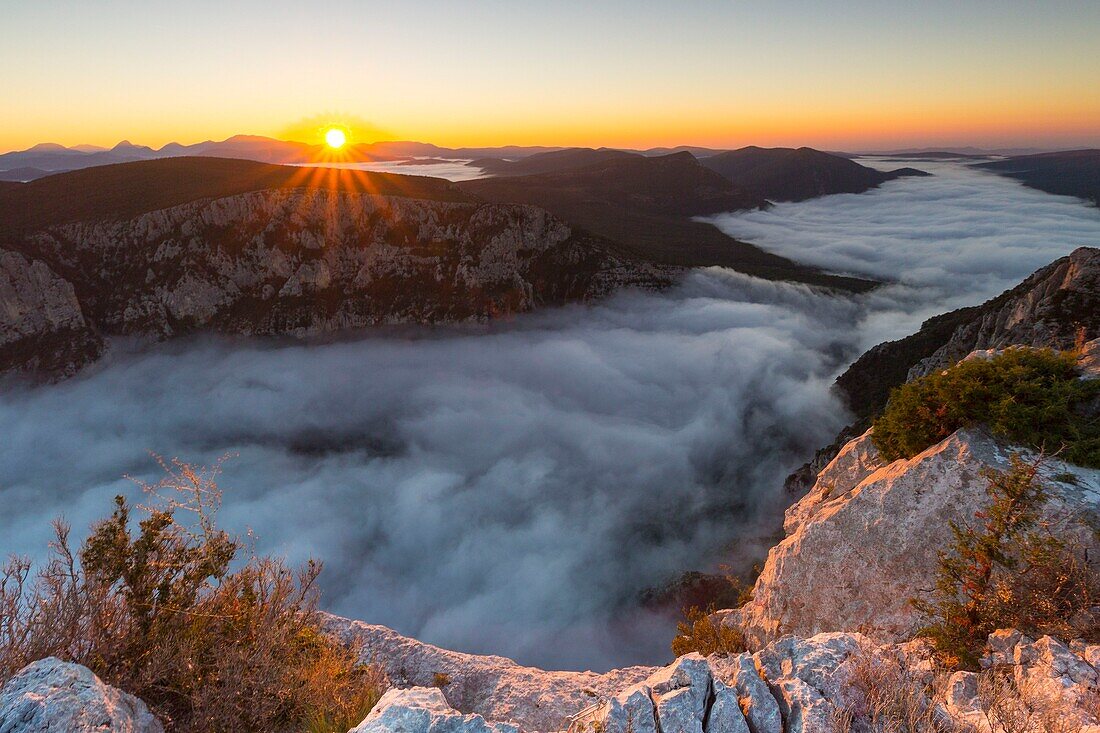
(42, 327)
(51, 696)
(864, 540)
(1054, 307)
(302, 262)
(423, 710)
(494, 687)
(828, 683)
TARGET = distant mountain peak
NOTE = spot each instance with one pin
(47, 148)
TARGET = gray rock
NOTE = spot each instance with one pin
(866, 539)
(677, 713)
(760, 707)
(962, 692)
(42, 327)
(691, 673)
(725, 713)
(51, 696)
(424, 710)
(494, 687)
(631, 711)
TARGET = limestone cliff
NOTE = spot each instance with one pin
(1055, 307)
(42, 326)
(291, 261)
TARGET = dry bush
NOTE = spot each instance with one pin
(701, 633)
(174, 615)
(883, 695)
(1009, 708)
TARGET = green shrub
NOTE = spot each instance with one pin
(171, 612)
(1032, 397)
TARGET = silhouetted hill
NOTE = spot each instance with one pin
(932, 155)
(53, 157)
(788, 174)
(553, 162)
(24, 174)
(1068, 173)
(127, 190)
(646, 204)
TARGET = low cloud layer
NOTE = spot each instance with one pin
(511, 489)
(952, 240)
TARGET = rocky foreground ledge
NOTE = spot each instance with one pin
(794, 685)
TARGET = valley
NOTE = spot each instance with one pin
(679, 410)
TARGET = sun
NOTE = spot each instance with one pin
(335, 138)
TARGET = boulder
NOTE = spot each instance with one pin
(690, 674)
(725, 714)
(676, 712)
(51, 696)
(760, 708)
(494, 687)
(424, 710)
(631, 711)
(866, 539)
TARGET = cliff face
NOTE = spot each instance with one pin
(299, 262)
(42, 326)
(1053, 307)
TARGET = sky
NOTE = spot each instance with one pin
(858, 75)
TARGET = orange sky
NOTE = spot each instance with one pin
(861, 75)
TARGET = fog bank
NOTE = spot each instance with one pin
(510, 489)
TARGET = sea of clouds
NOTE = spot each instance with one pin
(512, 488)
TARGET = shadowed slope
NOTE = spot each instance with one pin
(646, 205)
(1068, 173)
(555, 161)
(130, 189)
(787, 174)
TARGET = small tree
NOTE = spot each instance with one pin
(1008, 570)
